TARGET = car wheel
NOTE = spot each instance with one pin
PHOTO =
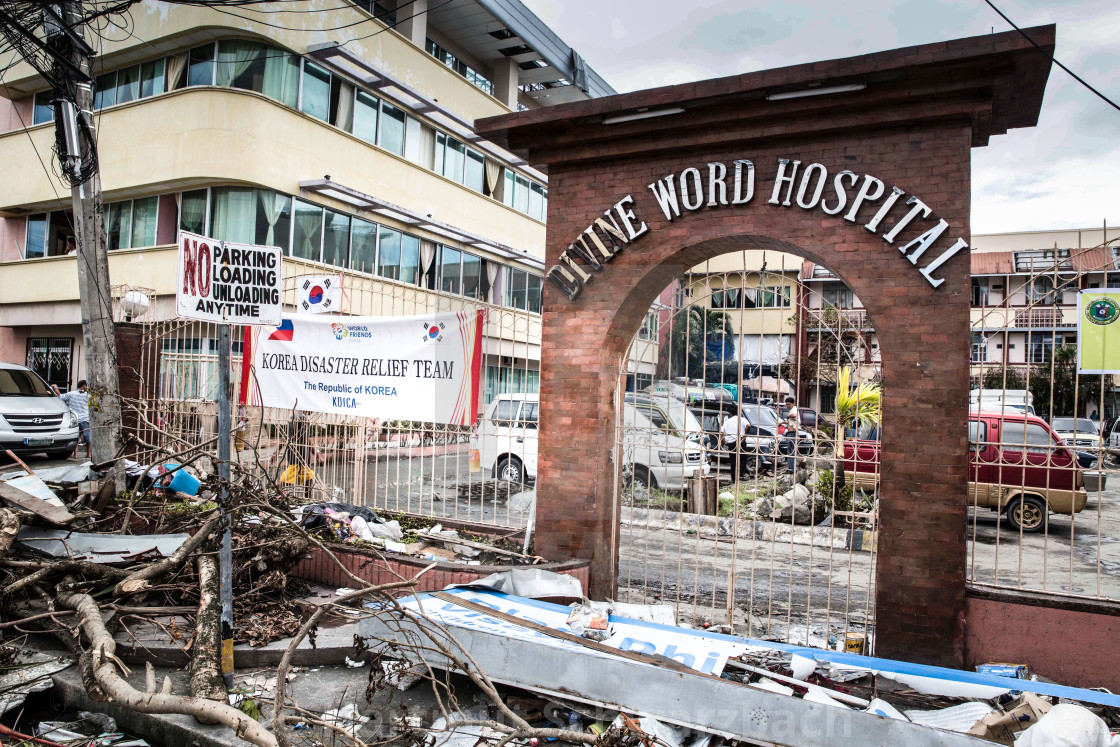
(1027, 513)
(510, 470)
(642, 478)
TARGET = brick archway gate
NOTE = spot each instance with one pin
(889, 135)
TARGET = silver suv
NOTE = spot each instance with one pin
(33, 419)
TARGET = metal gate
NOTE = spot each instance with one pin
(714, 520)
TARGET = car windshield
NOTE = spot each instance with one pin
(1081, 425)
(682, 417)
(18, 383)
(761, 416)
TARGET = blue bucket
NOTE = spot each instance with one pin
(183, 481)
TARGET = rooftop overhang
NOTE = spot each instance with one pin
(992, 83)
(494, 30)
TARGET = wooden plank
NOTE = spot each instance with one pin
(19, 461)
(37, 506)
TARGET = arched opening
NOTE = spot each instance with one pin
(735, 508)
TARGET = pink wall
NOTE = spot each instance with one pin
(1076, 646)
(12, 110)
(12, 229)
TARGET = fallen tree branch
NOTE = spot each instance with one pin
(139, 580)
(206, 652)
(9, 529)
(61, 567)
(99, 673)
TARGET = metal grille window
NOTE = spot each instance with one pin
(776, 297)
(51, 357)
(979, 349)
(1040, 347)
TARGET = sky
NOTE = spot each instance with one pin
(1064, 173)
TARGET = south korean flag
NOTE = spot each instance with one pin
(318, 294)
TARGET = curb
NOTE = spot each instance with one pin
(157, 728)
(857, 540)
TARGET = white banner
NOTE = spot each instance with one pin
(222, 281)
(318, 294)
(423, 368)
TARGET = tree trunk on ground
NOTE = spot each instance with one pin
(206, 651)
(99, 673)
(9, 529)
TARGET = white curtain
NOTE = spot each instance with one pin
(494, 178)
(310, 223)
(491, 277)
(344, 117)
(427, 256)
(176, 66)
(234, 58)
(281, 76)
(193, 212)
(235, 215)
(427, 147)
(273, 204)
(763, 349)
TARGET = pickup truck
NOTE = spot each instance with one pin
(1017, 466)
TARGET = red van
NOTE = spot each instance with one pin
(1017, 466)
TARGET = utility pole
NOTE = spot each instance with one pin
(74, 125)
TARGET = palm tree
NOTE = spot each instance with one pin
(858, 405)
(700, 336)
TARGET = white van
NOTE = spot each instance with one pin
(33, 420)
(504, 444)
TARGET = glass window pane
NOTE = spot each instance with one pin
(144, 221)
(200, 68)
(412, 140)
(507, 193)
(534, 294)
(44, 108)
(234, 214)
(392, 129)
(363, 245)
(105, 90)
(35, 244)
(365, 117)
(151, 78)
(410, 258)
(536, 201)
(453, 159)
(450, 266)
(472, 271)
(316, 96)
(336, 239)
(521, 194)
(240, 64)
(281, 76)
(118, 224)
(192, 211)
(475, 171)
(441, 151)
(308, 232)
(389, 254)
(274, 218)
(128, 84)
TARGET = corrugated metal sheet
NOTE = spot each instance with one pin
(993, 263)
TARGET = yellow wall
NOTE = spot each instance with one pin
(198, 136)
(158, 28)
(750, 321)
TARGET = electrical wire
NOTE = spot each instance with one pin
(1052, 58)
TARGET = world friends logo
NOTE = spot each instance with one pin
(1102, 311)
(339, 330)
(351, 331)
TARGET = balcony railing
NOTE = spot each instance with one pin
(1039, 318)
(838, 319)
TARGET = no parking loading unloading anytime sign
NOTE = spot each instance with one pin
(224, 281)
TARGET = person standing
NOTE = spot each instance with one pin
(78, 401)
(793, 425)
(733, 429)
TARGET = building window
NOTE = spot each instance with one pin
(192, 211)
(510, 380)
(365, 116)
(35, 242)
(728, 298)
(51, 357)
(1040, 291)
(307, 231)
(363, 245)
(315, 91)
(398, 255)
(1040, 347)
(522, 290)
(651, 324)
(246, 215)
(449, 270)
(336, 239)
(775, 297)
(200, 66)
(131, 223)
(391, 136)
(979, 348)
(980, 291)
(839, 297)
(43, 107)
(477, 79)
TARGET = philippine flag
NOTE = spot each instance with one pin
(284, 332)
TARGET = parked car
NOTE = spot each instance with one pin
(669, 414)
(504, 444)
(767, 418)
(689, 392)
(1079, 432)
(806, 417)
(1018, 466)
(1001, 400)
(33, 419)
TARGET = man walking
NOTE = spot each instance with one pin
(793, 424)
(733, 430)
(78, 401)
